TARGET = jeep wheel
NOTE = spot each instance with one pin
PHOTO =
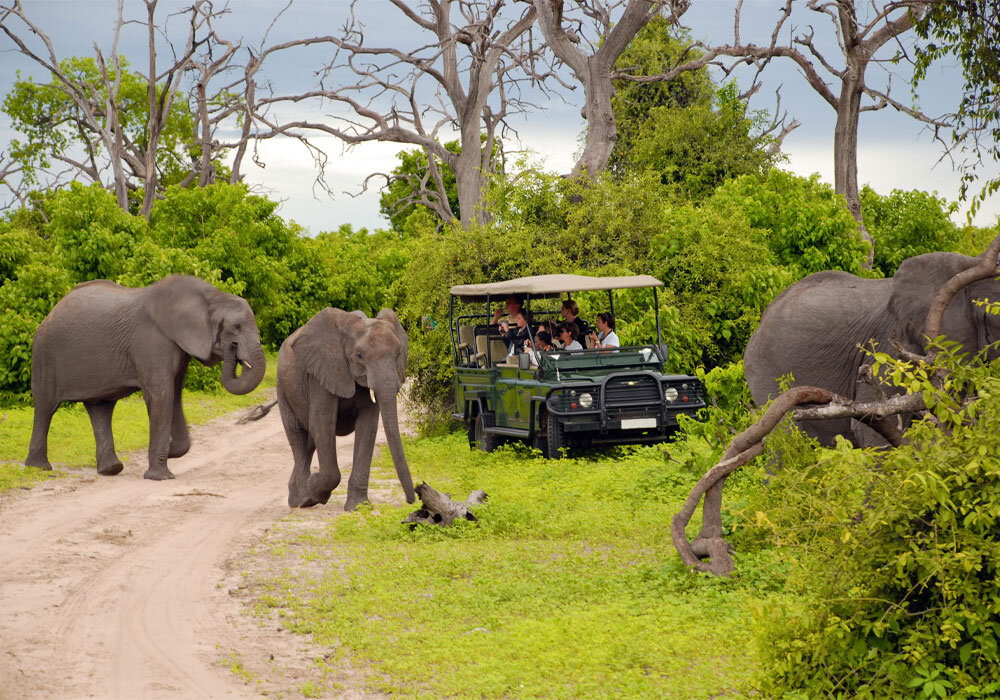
(556, 438)
(487, 442)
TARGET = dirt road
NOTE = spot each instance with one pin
(118, 587)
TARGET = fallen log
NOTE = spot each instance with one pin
(438, 508)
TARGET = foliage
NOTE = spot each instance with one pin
(894, 554)
(968, 30)
(655, 49)
(90, 234)
(723, 274)
(566, 587)
(695, 149)
(395, 202)
(693, 135)
(905, 224)
(54, 126)
(806, 224)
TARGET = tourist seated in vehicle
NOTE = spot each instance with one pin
(550, 327)
(512, 305)
(516, 335)
(570, 312)
(543, 343)
(605, 338)
(568, 335)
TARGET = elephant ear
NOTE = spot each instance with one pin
(914, 286)
(390, 316)
(321, 346)
(180, 311)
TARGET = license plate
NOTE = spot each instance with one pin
(628, 423)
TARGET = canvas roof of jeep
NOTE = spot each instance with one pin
(551, 285)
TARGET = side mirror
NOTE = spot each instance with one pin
(524, 361)
(663, 351)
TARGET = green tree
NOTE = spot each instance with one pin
(805, 224)
(969, 31)
(57, 132)
(905, 224)
(657, 48)
(402, 196)
(696, 148)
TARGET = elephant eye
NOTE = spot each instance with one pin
(236, 327)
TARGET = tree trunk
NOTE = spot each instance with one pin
(602, 132)
(469, 178)
(845, 147)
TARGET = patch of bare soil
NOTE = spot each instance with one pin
(119, 587)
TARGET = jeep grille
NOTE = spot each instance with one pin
(631, 390)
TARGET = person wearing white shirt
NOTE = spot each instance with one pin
(606, 338)
(567, 334)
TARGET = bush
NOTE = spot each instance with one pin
(895, 559)
(904, 224)
(806, 225)
(24, 302)
(92, 237)
(723, 275)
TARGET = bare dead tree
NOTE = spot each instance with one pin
(467, 77)
(867, 34)
(566, 30)
(824, 404)
(98, 106)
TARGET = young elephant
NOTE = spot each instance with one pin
(102, 342)
(325, 371)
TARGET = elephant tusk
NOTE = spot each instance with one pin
(246, 364)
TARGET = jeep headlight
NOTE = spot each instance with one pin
(670, 393)
(586, 400)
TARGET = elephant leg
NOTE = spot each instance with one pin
(323, 408)
(302, 452)
(159, 404)
(180, 439)
(364, 444)
(100, 413)
(38, 448)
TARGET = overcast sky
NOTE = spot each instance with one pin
(894, 151)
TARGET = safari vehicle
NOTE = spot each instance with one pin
(573, 398)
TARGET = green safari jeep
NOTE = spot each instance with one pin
(575, 398)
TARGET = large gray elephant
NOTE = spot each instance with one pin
(102, 342)
(327, 371)
(812, 331)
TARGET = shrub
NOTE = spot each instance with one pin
(24, 302)
(905, 224)
(895, 559)
(92, 237)
(805, 224)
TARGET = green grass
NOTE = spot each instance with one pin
(567, 587)
(71, 438)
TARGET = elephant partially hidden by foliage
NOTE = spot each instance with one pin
(102, 342)
(815, 329)
(327, 372)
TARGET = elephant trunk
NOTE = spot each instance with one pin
(386, 398)
(253, 369)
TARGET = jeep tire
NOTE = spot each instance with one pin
(555, 439)
(478, 436)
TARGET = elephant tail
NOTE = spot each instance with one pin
(257, 412)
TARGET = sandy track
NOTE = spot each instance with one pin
(118, 587)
